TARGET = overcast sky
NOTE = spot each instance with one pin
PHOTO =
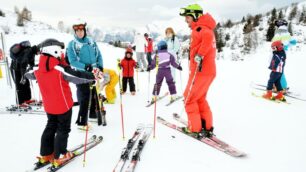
(135, 13)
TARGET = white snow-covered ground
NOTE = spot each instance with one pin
(273, 135)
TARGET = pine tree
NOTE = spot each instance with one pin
(290, 29)
(280, 15)
(256, 20)
(229, 24)
(270, 32)
(219, 40)
(273, 15)
(243, 20)
(248, 27)
(293, 13)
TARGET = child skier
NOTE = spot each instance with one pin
(128, 64)
(53, 76)
(163, 59)
(277, 66)
(110, 80)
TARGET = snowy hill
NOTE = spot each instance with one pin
(238, 43)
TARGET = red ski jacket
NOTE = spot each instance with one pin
(149, 48)
(53, 81)
(203, 43)
(128, 65)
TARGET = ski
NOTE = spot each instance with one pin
(137, 150)
(213, 142)
(21, 110)
(176, 99)
(39, 165)
(161, 97)
(271, 100)
(126, 150)
(77, 153)
(287, 94)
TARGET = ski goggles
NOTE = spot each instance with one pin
(79, 27)
(185, 12)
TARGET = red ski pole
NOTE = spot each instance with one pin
(88, 112)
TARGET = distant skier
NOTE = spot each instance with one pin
(53, 77)
(163, 60)
(202, 70)
(140, 43)
(128, 64)
(277, 68)
(148, 48)
(282, 34)
(23, 58)
(173, 47)
(84, 55)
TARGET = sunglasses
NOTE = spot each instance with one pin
(78, 27)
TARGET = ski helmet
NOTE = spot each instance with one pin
(277, 46)
(193, 10)
(129, 50)
(281, 22)
(80, 25)
(162, 45)
(52, 47)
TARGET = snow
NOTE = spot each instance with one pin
(271, 134)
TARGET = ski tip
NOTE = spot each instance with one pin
(94, 136)
(100, 138)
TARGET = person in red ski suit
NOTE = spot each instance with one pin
(202, 69)
(53, 76)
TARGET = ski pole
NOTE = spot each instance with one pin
(137, 80)
(155, 96)
(149, 87)
(88, 113)
(121, 106)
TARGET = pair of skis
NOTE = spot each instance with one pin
(287, 94)
(14, 109)
(77, 151)
(163, 96)
(211, 141)
(124, 157)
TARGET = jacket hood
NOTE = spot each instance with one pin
(205, 20)
(47, 63)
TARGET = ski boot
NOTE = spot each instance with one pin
(173, 98)
(280, 96)
(44, 160)
(268, 95)
(187, 131)
(58, 162)
(133, 93)
(206, 133)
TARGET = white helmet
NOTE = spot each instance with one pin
(52, 47)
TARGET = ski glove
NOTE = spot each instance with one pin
(180, 68)
(198, 59)
(88, 67)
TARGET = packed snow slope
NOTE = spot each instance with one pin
(273, 135)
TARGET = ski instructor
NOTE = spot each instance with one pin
(202, 70)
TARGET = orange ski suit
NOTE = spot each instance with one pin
(202, 43)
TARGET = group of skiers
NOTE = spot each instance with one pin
(86, 67)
